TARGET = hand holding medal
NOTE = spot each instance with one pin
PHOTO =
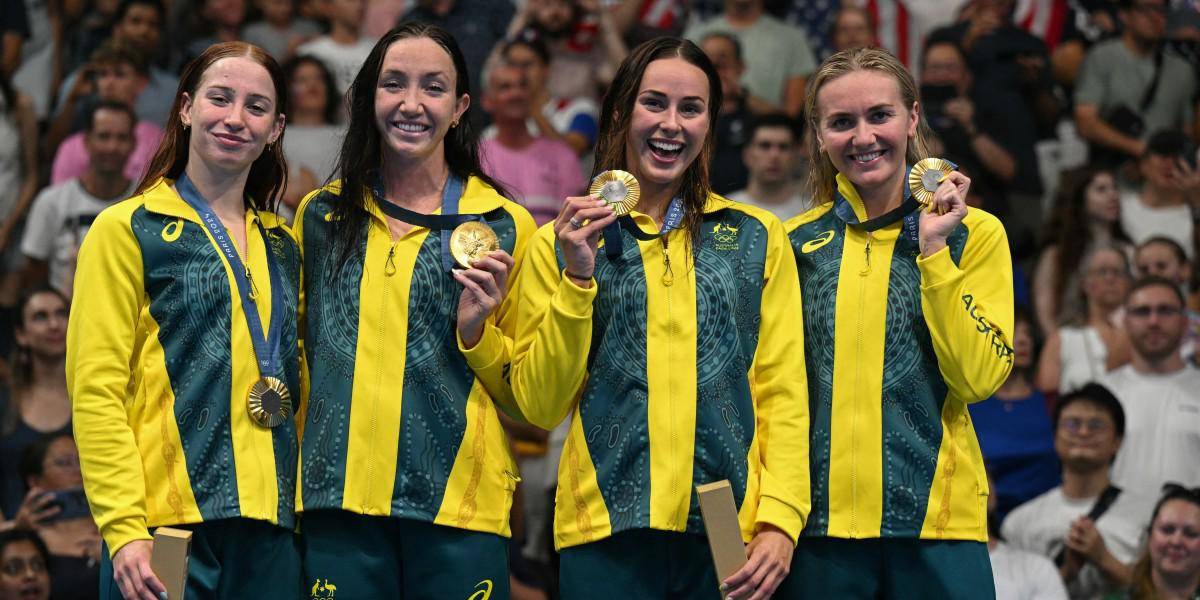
(583, 218)
(484, 276)
(942, 193)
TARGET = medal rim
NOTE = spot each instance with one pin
(258, 414)
(460, 231)
(916, 178)
(633, 187)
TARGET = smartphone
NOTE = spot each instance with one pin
(72, 504)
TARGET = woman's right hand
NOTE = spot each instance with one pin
(37, 506)
(131, 570)
(578, 226)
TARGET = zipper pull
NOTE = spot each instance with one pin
(389, 267)
(867, 267)
(253, 287)
(668, 275)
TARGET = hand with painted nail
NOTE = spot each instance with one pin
(769, 560)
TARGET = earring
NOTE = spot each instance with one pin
(453, 124)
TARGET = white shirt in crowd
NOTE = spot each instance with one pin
(1041, 526)
(61, 215)
(1162, 428)
(343, 62)
(786, 210)
(1022, 575)
(1142, 222)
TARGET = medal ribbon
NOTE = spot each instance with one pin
(908, 211)
(613, 245)
(266, 345)
(443, 223)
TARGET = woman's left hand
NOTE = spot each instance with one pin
(770, 559)
(484, 287)
(945, 213)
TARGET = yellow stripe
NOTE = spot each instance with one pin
(958, 497)
(169, 497)
(379, 370)
(580, 514)
(671, 377)
(480, 486)
(856, 426)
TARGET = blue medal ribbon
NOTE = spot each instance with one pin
(266, 344)
(613, 246)
(443, 223)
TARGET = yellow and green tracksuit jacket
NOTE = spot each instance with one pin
(669, 386)
(897, 346)
(400, 420)
(159, 365)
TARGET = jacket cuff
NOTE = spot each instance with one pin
(486, 352)
(574, 301)
(775, 512)
(119, 533)
(938, 269)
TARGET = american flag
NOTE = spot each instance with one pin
(1043, 18)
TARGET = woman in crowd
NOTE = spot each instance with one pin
(312, 130)
(37, 399)
(1087, 214)
(182, 358)
(672, 348)
(908, 316)
(23, 566)
(1170, 567)
(407, 478)
(1085, 348)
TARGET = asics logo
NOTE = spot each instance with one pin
(818, 242)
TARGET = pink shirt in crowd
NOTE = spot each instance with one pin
(71, 161)
(539, 176)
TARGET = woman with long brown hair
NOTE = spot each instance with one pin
(673, 348)
(181, 352)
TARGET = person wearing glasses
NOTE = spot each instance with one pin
(1158, 391)
(1091, 529)
(1170, 566)
(23, 572)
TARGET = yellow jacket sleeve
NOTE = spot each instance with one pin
(101, 338)
(553, 333)
(491, 358)
(969, 309)
(780, 386)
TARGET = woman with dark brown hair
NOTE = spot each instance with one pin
(673, 348)
(1170, 567)
(181, 353)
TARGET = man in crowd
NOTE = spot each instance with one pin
(770, 156)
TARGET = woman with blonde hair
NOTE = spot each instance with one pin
(908, 317)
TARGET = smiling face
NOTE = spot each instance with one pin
(669, 122)
(233, 114)
(1174, 542)
(415, 102)
(864, 126)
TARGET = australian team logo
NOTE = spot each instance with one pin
(725, 236)
(323, 590)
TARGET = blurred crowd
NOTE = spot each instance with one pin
(1076, 120)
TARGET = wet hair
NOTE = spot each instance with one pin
(268, 172)
(821, 176)
(360, 159)
(616, 114)
(332, 97)
(1097, 395)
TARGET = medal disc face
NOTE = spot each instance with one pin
(471, 241)
(269, 402)
(926, 176)
(619, 189)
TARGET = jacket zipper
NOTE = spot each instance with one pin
(389, 268)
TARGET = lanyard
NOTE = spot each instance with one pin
(613, 245)
(907, 211)
(443, 223)
(266, 344)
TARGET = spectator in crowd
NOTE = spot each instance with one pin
(726, 170)
(62, 213)
(1169, 191)
(92, 30)
(213, 22)
(1019, 574)
(569, 120)
(23, 566)
(777, 56)
(14, 30)
(1090, 528)
(120, 76)
(540, 172)
(314, 110)
(280, 31)
(18, 175)
(1084, 349)
(1131, 86)
(1158, 391)
(138, 23)
(1170, 566)
(50, 468)
(1014, 430)
(853, 27)
(585, 44)
(770, 156)
(381, 15)
(1011, 89)
(344, 49)
(965, 133)
(38, 403)
(477, 26)
(1087, 214)
(1164, 257)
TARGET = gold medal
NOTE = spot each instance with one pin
(270, 402)
(472, 241)
(926, 176)
(619, 189)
